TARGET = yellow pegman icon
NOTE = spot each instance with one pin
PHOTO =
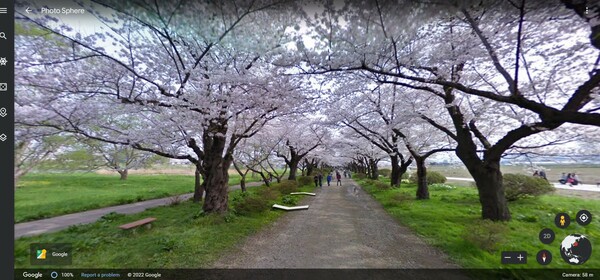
(562, 220)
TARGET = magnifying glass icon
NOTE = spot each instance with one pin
(2, 35)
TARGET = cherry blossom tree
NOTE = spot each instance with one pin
(377, 110)
(194, 79)
(420, 139)
(258, 154)
(361, 154)
(372, 111)
(296, 142)
(119, 158)
(33, 147)
(465, 52)
(323, 157)
(249, 157)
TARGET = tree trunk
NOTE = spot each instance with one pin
(399, 167)
(265, 179)
(293, 164)
(488, 179)
(124, 173)
(422, 189)
(486, 172)
(216, 190)
(362, 169)
(215, 169)
(404, 167)
(243, 183)
(374, 169)
(309, 169)
(198, 187)
(395, 176)
(242, 176)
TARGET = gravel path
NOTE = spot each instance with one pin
(343, 228)
(61, 222)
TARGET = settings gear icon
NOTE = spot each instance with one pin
(3, 61)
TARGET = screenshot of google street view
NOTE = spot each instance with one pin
(280, 139)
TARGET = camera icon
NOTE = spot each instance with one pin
(3, 87)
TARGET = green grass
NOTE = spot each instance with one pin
(181, 237)
(447, 218)
(47, 195)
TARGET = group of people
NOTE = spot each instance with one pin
(570, 179)
(319, 178)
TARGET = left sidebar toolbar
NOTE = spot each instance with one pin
(7, 135)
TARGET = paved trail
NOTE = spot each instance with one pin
(343, 228)
(86, 217)
(585, 191)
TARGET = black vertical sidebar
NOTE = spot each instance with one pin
(7, 136)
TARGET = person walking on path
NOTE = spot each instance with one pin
(329, 177)
(320, 179)
(338, 176)
(316, 178)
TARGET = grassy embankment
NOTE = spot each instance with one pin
(41, 196)
(181, 237)
(451, 220)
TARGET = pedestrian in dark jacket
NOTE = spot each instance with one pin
(320, 180)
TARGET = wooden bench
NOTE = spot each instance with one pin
(146, 221)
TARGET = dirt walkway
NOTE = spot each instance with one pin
(343, 228)
(61, 222)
